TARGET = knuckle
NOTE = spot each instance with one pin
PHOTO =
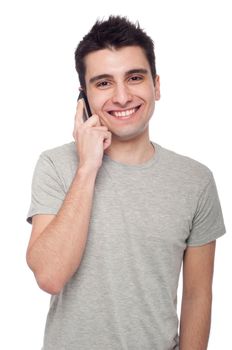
(94, 117)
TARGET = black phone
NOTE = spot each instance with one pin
(87, 110)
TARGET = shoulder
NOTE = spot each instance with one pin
(60, 163)
(183, 168)
(62, 154)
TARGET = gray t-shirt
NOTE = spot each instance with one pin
(123, 296)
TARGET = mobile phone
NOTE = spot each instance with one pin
(87, 110)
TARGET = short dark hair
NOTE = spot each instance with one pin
(115, 32)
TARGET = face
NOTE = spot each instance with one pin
(121, 90)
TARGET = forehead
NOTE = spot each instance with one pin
(115, 61)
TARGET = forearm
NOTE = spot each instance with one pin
(195, 322)
(57, 253)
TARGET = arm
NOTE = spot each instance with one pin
(57, 242)
(195, 317)
(55, 253)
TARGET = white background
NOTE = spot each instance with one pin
(38, 86)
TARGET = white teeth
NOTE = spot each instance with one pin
(123, 113)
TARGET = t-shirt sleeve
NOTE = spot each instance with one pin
(208, 223)
(47, 192)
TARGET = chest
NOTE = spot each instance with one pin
(148, 210)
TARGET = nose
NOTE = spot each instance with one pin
(121, 95)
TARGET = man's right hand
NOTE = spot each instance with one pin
(91, 139)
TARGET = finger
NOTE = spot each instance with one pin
(94, 120)
(78, 120)
(79, 113)
(101, 128)
(107, 140)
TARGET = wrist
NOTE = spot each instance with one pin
(87, 172)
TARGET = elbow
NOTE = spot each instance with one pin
(48, 283)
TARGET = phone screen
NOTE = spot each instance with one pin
(87, 110)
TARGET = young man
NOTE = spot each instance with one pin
(114, 214)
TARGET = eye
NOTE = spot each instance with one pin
(103, 84)
(135, 78)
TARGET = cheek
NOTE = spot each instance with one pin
(152, 108)
(149, 98)
(147, 92)
(96, 101)
(151, 104)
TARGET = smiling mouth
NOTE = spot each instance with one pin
(124, 114)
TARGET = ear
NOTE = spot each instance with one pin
(157, 87)
(81, 88)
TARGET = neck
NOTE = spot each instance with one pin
(131, 152)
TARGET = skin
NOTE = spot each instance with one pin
(52, 257)
(110, 87)
(195, 320)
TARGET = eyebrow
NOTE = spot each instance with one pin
(109, 76)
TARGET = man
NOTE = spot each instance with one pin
(114, 214)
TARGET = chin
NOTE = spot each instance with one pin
(128, 137)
